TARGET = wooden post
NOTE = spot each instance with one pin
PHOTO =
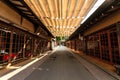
(10, 48)
(109, 46)
(85, 45)
(75, 45)
(24, 45)
(50, 45)
(33, 46)
(72, 44)
(100, 47)
(118, 32)
(93, 40)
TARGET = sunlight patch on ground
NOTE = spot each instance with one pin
(11, 74)
(14, 67)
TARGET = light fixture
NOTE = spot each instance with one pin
(94, 8)
(112, 7)
(62, 14)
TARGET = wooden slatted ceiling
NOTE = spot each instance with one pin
(61, 17)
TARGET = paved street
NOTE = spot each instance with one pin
(61, 65)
